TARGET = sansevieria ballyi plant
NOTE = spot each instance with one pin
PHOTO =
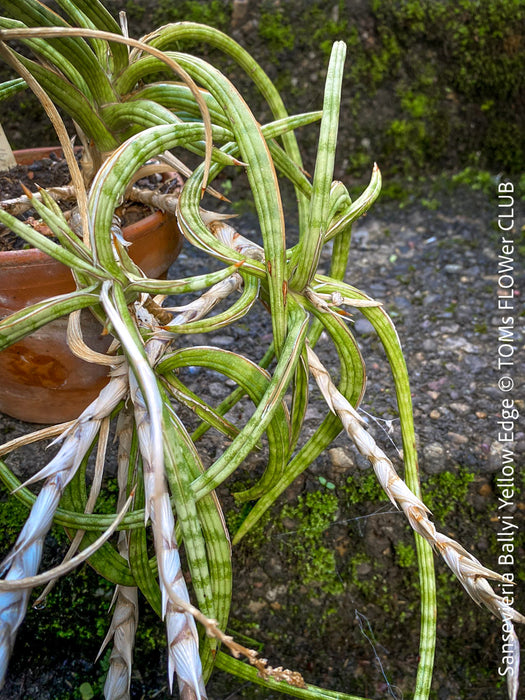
(166, 495)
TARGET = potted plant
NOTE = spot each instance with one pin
(164, 490)
(62, 384)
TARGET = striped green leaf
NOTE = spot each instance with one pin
(92, 14)
(256, 384)
(22, 323)
(306, 258)
(11, 87)
(75, 50)
(172, 35)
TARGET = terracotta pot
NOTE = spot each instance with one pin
(41, 381)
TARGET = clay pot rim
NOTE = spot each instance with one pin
(34, 256)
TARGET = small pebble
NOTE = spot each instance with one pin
(485, 490)
(433, 457)
(340, 458)
(457, 439)
(255, 606)
(461, 408)
(363, 326)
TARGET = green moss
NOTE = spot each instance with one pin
(215, 13)
(431, 204)
(275, 29)
(135, 11)
(370, 584)
(405, 555)
(476, 179)
(444, 492)
(457, 79)
(311, 518)
(363, 486)
(315, 512)
(396, 190)
(12, 518)
(417, 105)
(376, 60)
(365, 584)
(254, 538)
(326, 30)
(407, 136)
(521, 190)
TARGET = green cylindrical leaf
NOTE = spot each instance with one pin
(256, 384)
(43, 243)
(264, 412)
(11, 87)
(74, 49)
(249, 673)
(171, 36)
(24, 322)
(114, 176)
(356, 209)
(307, 255)
(100, 18)
(73, 101)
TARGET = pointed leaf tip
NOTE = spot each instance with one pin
(27, 191)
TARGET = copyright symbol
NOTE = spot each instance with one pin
(506, 383)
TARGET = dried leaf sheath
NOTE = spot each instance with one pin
(126, 611)
(24, 559)
(470, 572)
(122, 630)
(181, 631)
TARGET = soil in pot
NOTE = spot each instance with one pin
(42, 381)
